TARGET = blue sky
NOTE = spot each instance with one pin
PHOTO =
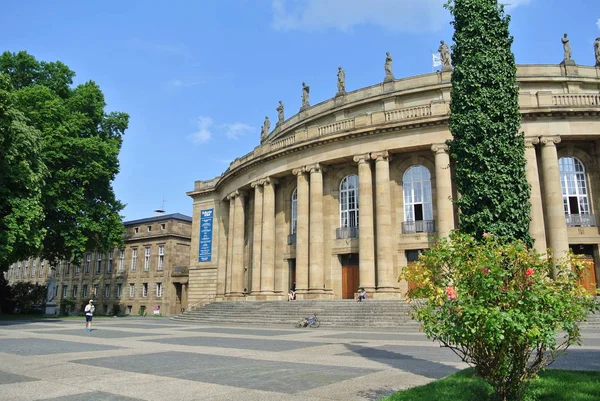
(198, 77)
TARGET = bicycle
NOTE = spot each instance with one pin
(312, 322)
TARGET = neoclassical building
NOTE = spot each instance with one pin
(347, 192)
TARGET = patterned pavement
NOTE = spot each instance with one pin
(158, 359)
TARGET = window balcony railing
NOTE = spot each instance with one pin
(420, 226)
(346, 232)
(581, 220)
(291, 239)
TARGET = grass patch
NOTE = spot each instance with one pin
(551, 385)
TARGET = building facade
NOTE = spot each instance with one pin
(149, 275)
(346, 193)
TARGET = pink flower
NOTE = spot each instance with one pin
(485, 270)
(450, 293)
(485, 235)
(529, 272)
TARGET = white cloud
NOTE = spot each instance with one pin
(204, 132)
(178, 83)
(394, 15)
(237, 130)
(207, 129)
(598, 23)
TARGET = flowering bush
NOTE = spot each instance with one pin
(495, 305)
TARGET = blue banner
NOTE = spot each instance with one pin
(206, 226)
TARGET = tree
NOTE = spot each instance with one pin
(21, 179)
(80, 148)
(487, 147)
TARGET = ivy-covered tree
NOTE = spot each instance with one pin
(21, 178)
(80, 147)
(487, 147)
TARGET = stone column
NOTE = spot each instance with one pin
(315, 273)
(558, 238)
(231, 197)
(536, 226)
(257, 237)
(267, 281)
(366, 245)
(237, 273)
(302, 232)
(222, 257)
(385, 266)
(443, 189)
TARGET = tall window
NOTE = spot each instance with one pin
(59, 269)
(574, 187)
(41, 268)
(18, 270)
(417, 194)
(84, 291)
(158, 290)
(75, 291)
(106, 290)
(88, 261)
(65, 291)
(133, 259)
(147, 259)
(294, 210)
(96, 289)
(119, 290)
(144, 289)
(33, 268)
(26, 269)
(349, 201)
(10, 272)
(109, 264)
(121, 260)
(98, 263)
(161, 257)
(131, 290)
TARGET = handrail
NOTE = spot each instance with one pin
(202, 302)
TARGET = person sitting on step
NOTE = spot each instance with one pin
(292, 295)
(362, 294)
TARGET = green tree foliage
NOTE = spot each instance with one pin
(487, 147)
(495, 306)
(25, 296)
(80, 148)
(21, 178)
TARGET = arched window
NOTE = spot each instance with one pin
(348, 207)
(418, 211)
(574, 191)
(294, 211)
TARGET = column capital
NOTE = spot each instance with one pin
(532, 140)
(233, 195)
(270, 180)
(439, 148)
(256, 184)
(364, 158)
(379, 156)
(299, 171)
(550, 140)
(315, 168)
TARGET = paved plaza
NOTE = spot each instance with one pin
(158, 359)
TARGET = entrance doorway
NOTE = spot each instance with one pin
(588, 276)
(350, 275)
(412, 256)
(292, 274)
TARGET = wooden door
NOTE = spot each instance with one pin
(350, 281)
(588, 276)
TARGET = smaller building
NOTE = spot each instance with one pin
(148, 276)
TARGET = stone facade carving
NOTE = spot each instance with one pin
(389, 74)
(305, 96)
(567, 50)
(444, 51)
(597, 51)
(266, 127)
(280, 116)
(341, 81)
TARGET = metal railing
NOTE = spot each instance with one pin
(291, 239)
(420, 226)
(581, 220)
(346, 232)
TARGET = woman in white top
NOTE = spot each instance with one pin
(89, 313)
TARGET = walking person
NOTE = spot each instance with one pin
(89, 313)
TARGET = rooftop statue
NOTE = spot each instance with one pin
(444, 51)
(305, 96)
(389, 74)
(341, 80)
(567, 48)
(265, 128)
(280, 116)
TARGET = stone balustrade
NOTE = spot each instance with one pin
(408, 112)
(337, 126)
(574, 100)
(283, 142)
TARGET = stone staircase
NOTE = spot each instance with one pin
(335, 313)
